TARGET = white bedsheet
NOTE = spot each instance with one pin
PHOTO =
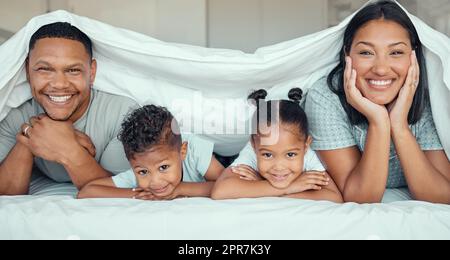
(62, 217)
(161, 73)
(151, 71)
(53, 213)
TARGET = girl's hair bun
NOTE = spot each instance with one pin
(258, 95)
(296, 95)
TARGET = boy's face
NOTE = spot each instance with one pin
(159, 169)
(282, 163)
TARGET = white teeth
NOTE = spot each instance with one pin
(61, 99)
(280, 177)
(380, 82)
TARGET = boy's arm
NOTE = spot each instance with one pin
(105, 188)
(215, 170)
(194, 189)
(202, 189)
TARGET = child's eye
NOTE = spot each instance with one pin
(291, 155)
(163, 168)
(143, 173)
(267, 155)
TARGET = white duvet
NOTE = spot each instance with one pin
(151, 71)
(62, 217)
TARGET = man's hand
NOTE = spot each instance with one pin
(85, 141)
(52, 140)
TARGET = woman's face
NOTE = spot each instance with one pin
(381, 55)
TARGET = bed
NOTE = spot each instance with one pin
(167, 71)
(53, 213)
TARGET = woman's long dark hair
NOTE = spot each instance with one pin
(389, 11)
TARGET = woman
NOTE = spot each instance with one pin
(371, 118)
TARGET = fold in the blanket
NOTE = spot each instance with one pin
(152, 71)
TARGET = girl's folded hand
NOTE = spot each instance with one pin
(311, 180)
(246, 172)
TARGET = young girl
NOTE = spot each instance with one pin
(277, 162)
(371, 119)
(165, 165)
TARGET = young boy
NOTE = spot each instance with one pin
(165, 165)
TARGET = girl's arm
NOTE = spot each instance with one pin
(105, 188)
(231, 186)
(427, 173)
(329, 192)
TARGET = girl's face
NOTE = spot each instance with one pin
(160, 169)
(380, 53)
(282, 162)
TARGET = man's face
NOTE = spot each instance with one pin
(61, 73)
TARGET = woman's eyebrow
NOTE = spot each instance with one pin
(397, 43)
(390, 45)
(366, 43)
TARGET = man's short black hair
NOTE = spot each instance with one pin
(61, 30)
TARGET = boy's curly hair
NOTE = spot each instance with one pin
(147, 127)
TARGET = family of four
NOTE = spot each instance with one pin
(365, 127)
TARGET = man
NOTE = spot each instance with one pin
(68, 131)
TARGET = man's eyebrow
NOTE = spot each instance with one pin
(41, 62)
(79, 64)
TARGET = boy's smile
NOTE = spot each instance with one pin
(159, 169)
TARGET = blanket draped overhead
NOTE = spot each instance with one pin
(208, 82)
